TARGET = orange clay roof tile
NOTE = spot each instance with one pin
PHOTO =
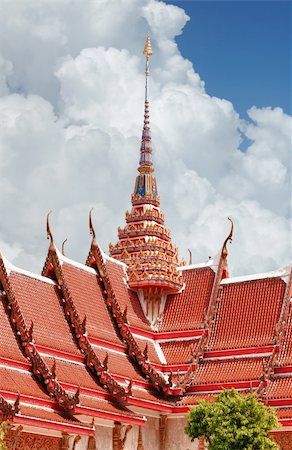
(247, 314)
(47, 414)
(185, 311)
(39, 302)
(88, 300)
(284, 413)
(279, 388)
(125, 296)
(152, 354)
(179, 352)
(194, 399)
(8, 341)
(119, 364)
(13, 380)
(73, 373)
(230, 370)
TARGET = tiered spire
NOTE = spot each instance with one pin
(145, 243)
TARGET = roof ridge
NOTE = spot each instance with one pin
(12, 268)
(211, 263)
(282, 272)
(53, 264)
(120, 318)
(39, 367)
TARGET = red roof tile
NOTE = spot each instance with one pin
(179, 352)
(284, 413)
(279, 388)
(72, 373)
(152, 354)
(194, 399)
(150, 395)
(185, 311)
(104, 405)
(247, 314)
(126, 297)
(14, 381)
(39, 302)
(88, 301)
(48, 414)
(230, 370)
(119, 364)
(8, 342)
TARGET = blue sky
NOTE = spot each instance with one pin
(71, 105)
(241, 49)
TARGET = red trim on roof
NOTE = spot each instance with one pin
(181, 409)
(220, 386)
(107, 415)
(285, 423)
(240, 351)
(33, 400)
(150, 405)
(15, 364)
(172, 367)
(147, 404)
(144, 384)
(167, 335)
(107, 345)
(280, 402)
(61, 354)
(285, 369)
(41, 423)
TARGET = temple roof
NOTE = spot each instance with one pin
(137, 329)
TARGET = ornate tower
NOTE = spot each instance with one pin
(144, 243)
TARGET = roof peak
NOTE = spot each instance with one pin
(283, 273)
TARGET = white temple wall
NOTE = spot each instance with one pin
(176, 439)
(103, 438)
(150, 434)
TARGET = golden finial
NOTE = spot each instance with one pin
(229, 238)
(147, 49)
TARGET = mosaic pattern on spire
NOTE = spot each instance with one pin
(144, 243)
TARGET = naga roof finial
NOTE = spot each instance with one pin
(191, 257)
(63, 246)
(49, 233)
(229, 238)
(91, 228)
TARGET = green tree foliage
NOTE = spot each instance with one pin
(3, 431)
(233, 422)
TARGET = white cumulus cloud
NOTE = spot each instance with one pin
(71, 111)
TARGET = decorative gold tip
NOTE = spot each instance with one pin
(63, 247)
(49, 233)
(92, 231)
(229, 238)
(191, 257)
(147, 49)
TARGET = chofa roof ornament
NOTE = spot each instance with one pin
(52, 246)
(224, 252)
